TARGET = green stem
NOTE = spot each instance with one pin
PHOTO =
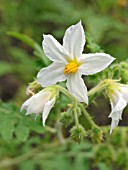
(59, 133)
(101, 86)
(66, 92)
(51, 130)
(98, 88)
(75, 114)
(70, 110)
(89, 119)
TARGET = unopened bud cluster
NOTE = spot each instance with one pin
(96, 135)
(77, 133)
(66, 118)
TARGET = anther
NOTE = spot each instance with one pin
(71, 67)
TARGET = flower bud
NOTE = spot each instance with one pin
(124, 65)
(32, 88)
(66, 118)
(124, 72)
(96, 135)
(124, 75)
(77, 133)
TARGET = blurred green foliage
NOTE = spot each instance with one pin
(24, 143)
(105, 20)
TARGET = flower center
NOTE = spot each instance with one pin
(71, 67)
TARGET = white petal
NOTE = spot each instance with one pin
(26, 104)
(116, 115)
(94, 63)
(36, 103)
(118, 102)
(124, 92)
(51, 75)
(76, 86)
(48, 106)
(53, 50)
(114, 123)
(74, 40)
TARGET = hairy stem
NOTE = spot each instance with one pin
(59, 133)
(89, 119)
(99, 87)
(66, 92)
(75, 114)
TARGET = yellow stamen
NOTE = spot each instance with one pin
(71, 67)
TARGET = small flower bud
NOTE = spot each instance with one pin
(66, 118)
(116, 72)
(124, 75)
(32, 88)
(124, 65)
(96, 135)
(77, 133)
(124, 72)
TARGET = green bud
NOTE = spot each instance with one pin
(116, 72)
(33, 87)
(77, 133)
(66, 118)
(124, 75)
(124, 72)
(96, 135)
(124, 65)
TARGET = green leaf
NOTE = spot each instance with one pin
(81, 162)
(15, 125)
(102, 165)
(29, 164)
(22, 132)
(91, 44)
(6, 127)
(38, 49)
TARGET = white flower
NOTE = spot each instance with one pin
(118, 94)
(69, 62)
(39, 103)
